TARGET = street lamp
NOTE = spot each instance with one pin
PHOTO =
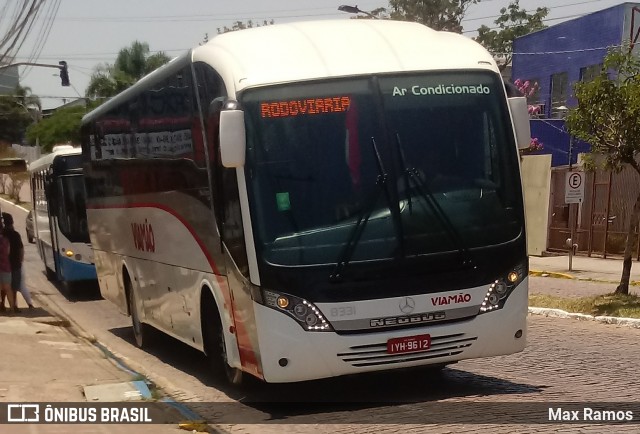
(35, 114)
(355, 10)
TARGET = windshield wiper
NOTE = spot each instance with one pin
(365, 214)
(412, 174)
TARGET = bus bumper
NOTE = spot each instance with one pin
(313, 355)
(72, 270)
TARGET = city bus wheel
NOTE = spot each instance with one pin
(140, 332)
(69, 289)
(216, 350)
(51, 275)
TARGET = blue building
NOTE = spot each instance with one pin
(563, 54)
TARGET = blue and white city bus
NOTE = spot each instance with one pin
(316, 199)
(60, 216)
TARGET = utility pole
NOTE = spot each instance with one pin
(572, 220)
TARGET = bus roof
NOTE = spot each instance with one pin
(335, 48)
(46, 160)
(309, 50)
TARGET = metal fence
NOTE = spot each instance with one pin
(603, 217)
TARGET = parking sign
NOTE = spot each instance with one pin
(574, 187)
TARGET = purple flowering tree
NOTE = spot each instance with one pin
(530, 90)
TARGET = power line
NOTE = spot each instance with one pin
(581, 50)
(554, 8)
(566, 17)
(42, 37)
(22, 20)
(107, 56)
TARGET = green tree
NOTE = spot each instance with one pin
(16, 113)
(63, 126)
(512, 23)
(132, 63)
(437, 14)
(607, 118)
(240, 25)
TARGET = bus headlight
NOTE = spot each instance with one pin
(500, 289)
(306, 314)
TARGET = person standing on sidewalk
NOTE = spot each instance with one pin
(5, 274)
(26, 294)
(16, 254)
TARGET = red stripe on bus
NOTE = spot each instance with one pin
(245, 348)
(176, 215)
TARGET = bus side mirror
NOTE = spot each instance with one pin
(520, 116)
(232, 138)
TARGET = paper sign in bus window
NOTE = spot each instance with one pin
(282, 199)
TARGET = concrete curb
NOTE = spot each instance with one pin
(557, 313)
(123, 363)
(14, 204)
(537, 273)
(65, 321)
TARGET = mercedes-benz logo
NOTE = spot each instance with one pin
(407, 305)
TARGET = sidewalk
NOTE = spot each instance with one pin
(43, 360)
(583, 268)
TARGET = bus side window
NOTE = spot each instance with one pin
(49, 192)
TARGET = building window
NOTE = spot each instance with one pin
(559, 94)
(588, 73)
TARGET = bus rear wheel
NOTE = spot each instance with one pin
(215, 348)
(140, 331)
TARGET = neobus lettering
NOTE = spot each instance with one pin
(411, 319)
(143, 236)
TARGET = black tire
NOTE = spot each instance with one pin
(214, 346)
(51, 275)
(69, 289)
(141, 332)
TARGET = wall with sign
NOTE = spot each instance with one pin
(536, 184)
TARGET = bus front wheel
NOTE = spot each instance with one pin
(215, 348)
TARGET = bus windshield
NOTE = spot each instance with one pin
(424, 161)
(72, 208)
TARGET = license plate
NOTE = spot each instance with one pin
(409, 344)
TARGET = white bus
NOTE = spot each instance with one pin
(60, 217)
(316, 199)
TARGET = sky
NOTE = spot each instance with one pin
(86, 33)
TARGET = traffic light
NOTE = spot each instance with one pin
(64, 73)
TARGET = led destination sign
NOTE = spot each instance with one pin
(302, 107)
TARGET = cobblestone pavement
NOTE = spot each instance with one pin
(565, 361)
